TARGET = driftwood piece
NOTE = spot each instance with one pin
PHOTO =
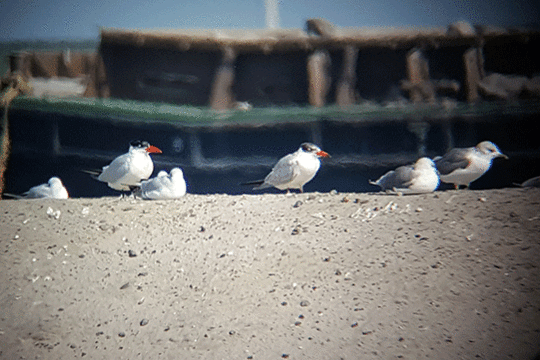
(221, 96)
(345, 89)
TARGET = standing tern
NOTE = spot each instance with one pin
(420, 178)
(53, 189)
(293, 171)
(164, 186)
(462, 166)
(126, 171)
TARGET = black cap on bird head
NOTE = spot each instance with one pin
(139, 144)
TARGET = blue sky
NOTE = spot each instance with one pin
(81, 19)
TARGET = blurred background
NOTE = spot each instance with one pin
(80, 20)
(365, 141)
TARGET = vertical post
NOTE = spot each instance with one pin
(474, 71)
(272, 14)
(419, 85)
(318, 64)
(221, 96)
(347, 81)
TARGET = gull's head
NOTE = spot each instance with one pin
(177, 172)
(490, 149)
(54, 181)
(139, 145)
(313, 149)
(424, 163)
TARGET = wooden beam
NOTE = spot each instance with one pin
(221, 96)
(474, 72)
(318, 64)
(345, 89)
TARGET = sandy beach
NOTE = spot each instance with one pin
(447, 275)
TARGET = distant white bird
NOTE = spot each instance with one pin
(462, 166)
(126, 171)
(294, 170)
(53, 189)
(164, 186)
(422, 177)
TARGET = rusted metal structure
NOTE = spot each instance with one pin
(322, 65)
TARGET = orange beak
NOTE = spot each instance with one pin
(323, 154)
(153, 150)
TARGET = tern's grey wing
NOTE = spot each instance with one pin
(40, 191)
(452, 160)
(115, 170)
(156, 184)
(283, 172)
(160, 187)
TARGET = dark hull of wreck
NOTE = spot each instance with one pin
(218, 154)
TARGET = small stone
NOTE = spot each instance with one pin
(125, 286)
(132, 253)
(297, 204)
(304, 303)
(144, 322)
(297, 230)
(121, 334)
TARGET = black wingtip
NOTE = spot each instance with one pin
(255, 182)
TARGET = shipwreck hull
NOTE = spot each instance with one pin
(219, 151)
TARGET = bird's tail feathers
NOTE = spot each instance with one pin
(93, 173)
(15, 196)
(259, 184)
